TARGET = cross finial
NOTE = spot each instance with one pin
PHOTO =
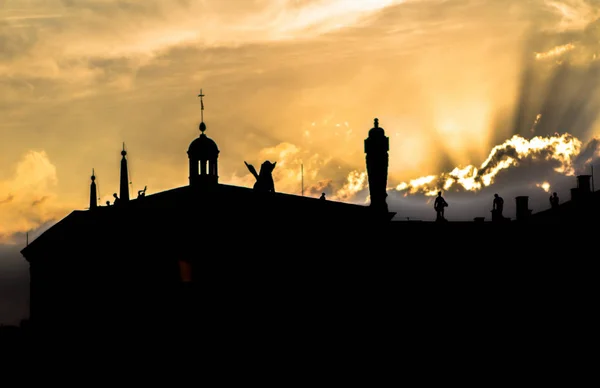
(201, 95)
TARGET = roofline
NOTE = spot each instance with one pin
(34, 242)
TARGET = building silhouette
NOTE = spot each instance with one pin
(140, 259)
(238, 259)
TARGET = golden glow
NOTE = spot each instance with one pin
(463, 126)
(544, 186)
(297, 82)
(407, 148)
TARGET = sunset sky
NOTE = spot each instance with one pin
(297, 82)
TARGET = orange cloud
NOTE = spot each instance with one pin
(28, 198)
(320, 173)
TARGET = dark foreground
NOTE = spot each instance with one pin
(411, 285)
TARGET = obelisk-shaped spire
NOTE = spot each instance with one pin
(124, 186)
(93, 195)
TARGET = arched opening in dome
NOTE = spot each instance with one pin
(208, 167)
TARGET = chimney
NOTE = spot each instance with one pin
(523, 211)
(583, 188)
(583, 184)
(574, 194)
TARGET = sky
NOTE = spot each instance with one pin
(477, 97)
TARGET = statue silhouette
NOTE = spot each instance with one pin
(117, 200)
(142, 193)
(554, 201)
(264, 179)
(497, 207)
(439, 205)
(322, 197)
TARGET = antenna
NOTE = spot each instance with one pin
(130, 176)
(302, 175)
(98, 189)
(27, 239)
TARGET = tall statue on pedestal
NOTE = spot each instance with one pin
(377, 146)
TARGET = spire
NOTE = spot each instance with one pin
(93, 195)
(202, 125)
(124, 187)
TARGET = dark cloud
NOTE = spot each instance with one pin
(587, 157)
(39, 201)
(317, 188)
(16, 41)
(14, 285)
(8, 199)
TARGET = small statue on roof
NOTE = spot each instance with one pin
(264, 179)
(142, 193)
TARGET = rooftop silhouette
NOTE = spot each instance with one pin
(155, 257)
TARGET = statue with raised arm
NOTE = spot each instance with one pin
(264, 179)
(142, 193)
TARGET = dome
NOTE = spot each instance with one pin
(376, 130)
(203, 148)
